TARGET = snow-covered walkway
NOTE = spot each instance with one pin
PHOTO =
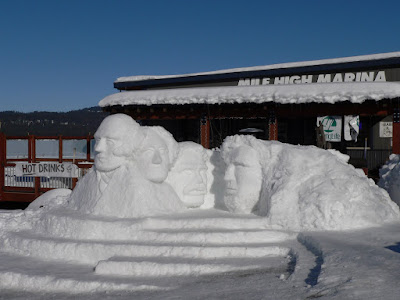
(198, 254)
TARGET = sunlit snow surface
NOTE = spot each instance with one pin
(206, 254)
(281, 244)
(354, 92)
(390, 177)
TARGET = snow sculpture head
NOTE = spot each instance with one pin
(243, 176)
(157, 154)
(116, 138)
(188, 176)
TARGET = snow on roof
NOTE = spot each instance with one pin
(284, 94)
(268, 67)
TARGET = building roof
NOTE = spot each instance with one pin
(355, 92)
(325, 65)
(354, 79)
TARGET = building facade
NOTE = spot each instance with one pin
(349, 104)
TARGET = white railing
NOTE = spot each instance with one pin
(11, 180)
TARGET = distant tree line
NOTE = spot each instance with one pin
(73, 123)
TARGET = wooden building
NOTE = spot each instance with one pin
(356, 99)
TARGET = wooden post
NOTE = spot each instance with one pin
(31, 142)
(60, 149)
(396, 132)
(88, 148)
(37, 187)
(205, 132)
(3, 158)
(32, 159)
(272, 126)
(74, 182)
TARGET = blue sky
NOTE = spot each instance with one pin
(65, 55)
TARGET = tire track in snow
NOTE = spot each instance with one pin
(312, 246)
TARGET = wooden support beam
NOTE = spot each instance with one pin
(272, 126)
(74, 182)
(31, 142)
(205, 132)
(37, 187)
(88, 148)
(60, 149)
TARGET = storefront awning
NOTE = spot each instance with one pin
(355, 92)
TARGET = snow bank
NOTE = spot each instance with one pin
(390, 177)
(52, 198)
(307, 188)
(299, 93)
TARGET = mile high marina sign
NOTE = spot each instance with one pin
(370, 76)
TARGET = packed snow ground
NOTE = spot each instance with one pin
(359, 264)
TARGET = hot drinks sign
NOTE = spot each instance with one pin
(46, 169)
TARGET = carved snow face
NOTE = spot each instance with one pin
(110, 137)
(188, 176)
(243, 179)
(153, 160)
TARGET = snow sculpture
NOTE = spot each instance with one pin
(107, 184)
(157, 154)
(152, 195)
(242, 179)
(307, 188)
(390, 177)
(130, 166)
(188, 175)
(115, 142)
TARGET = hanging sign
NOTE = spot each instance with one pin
(385, 129)
(332, 127)
(46, 169)
(351, 127)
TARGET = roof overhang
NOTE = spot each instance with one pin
(328, 93)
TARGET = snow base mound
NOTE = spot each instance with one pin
(194, 243)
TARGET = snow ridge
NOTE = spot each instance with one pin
(152, 250)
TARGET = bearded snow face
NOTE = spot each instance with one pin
(243, 180)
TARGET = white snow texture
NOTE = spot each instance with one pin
(390, 177)
(154, 208)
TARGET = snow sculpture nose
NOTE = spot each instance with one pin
(229, 173)
(157, 159)
(100, 145)
(199, 177)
